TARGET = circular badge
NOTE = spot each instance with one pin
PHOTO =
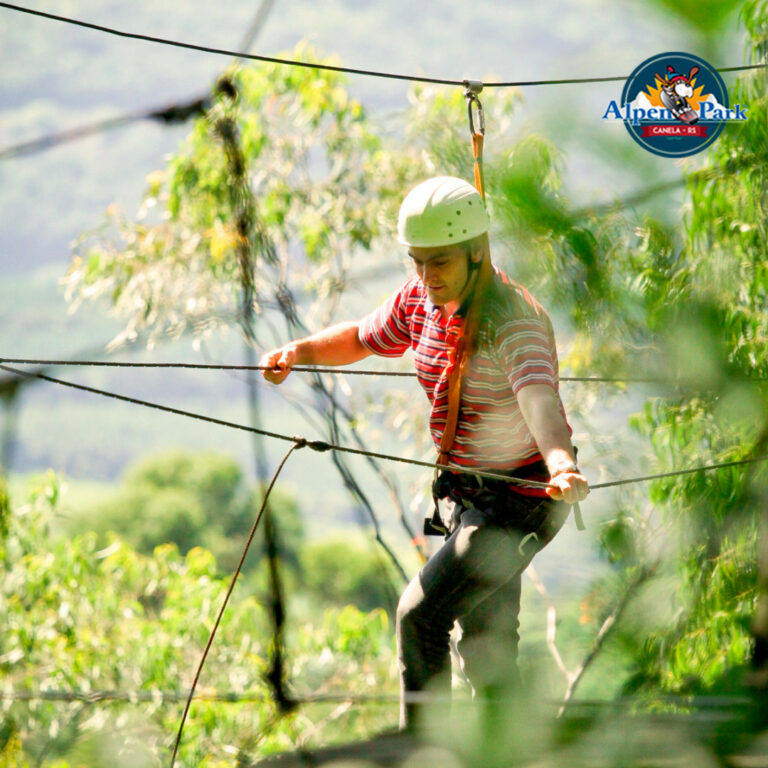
(675, 104)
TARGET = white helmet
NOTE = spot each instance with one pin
(441, 211)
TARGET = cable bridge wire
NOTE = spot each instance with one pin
(340, 371)
(230, 589)
(321, 446)
(137, 697)
(324, 67)
(182, 111)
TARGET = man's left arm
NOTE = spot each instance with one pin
(541, 410)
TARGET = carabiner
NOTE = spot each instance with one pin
(472, 89)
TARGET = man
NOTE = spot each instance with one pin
(485, 355)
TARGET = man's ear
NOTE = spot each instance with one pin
(476, 255)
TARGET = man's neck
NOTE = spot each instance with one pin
(451, 307)
(448, 309)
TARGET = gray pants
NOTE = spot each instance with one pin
(473, 579)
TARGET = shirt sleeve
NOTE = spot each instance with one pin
(527, 351)
(386, 330)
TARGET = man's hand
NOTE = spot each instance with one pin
(571, 487)
(543, 413)
(277, 364)
(337, 345)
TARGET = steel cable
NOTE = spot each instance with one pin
(319, 369)
(320, 445)
(324, 67)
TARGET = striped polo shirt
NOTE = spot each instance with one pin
(516, 347)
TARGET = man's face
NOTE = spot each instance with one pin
(443, 271)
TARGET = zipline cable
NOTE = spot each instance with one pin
(319, 369)
(321, 446)
(316, 445)
(174, 697)
(324, 67)
(226, 599)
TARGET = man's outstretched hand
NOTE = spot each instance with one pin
(277, 364)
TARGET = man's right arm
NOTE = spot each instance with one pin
(337, 345)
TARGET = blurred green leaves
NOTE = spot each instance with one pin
(687, 303)
(81, 618)
(707, 16)
(190, 500)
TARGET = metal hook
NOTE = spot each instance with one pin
(472, 89)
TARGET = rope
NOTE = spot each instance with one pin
(319, 369)
(209, 366)
(227, 596)
(300, 441)
(319, 445)
(230, 697)
(678, 472)
(324, 67)
(316, 445)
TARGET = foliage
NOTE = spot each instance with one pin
(82, 619)
(343, 571)
(190, 500)
(706, 16)
(691, 306)
(725, 321)
(316, 171)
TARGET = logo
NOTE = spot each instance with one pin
(674, 105)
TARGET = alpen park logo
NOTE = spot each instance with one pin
(674, 105)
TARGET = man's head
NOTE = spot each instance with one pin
(444, 223)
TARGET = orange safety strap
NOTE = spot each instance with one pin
(458, 360)
(459, 357)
